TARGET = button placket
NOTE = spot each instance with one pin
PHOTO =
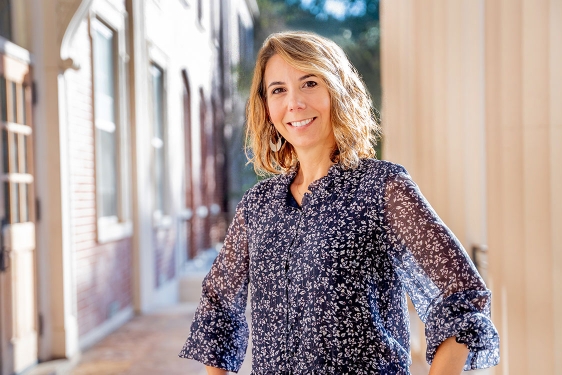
(289, 317)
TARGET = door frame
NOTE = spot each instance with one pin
(18, 316)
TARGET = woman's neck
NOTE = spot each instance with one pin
(311, 168)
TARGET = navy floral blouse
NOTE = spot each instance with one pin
(328, 280)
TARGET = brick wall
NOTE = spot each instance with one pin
(103, 271)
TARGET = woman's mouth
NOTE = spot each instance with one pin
(298, 124)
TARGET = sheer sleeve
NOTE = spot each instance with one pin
(219, 332)
(448, 293)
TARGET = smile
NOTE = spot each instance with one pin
(298, 124)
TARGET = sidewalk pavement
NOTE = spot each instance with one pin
(149, 345)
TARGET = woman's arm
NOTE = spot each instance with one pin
(449, 358)
(219, 331)
(215, 371)
(448, 293)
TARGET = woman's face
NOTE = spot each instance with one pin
(299, 106)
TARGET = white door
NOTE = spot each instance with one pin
(18, 308)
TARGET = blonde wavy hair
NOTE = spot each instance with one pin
(352, 113)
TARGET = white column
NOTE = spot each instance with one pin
(143, 255)
(56, 292)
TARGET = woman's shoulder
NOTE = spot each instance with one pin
(374, 168)
(270, 182)
(269, 188)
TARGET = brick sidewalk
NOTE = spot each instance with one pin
(146, 345)
(149, 345)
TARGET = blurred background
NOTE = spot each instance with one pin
(122, 156)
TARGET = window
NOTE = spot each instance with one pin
(106, 121)
(111, 136)
(158, 139)
(5, 19)
(15, 107)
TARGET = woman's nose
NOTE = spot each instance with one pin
(296, 101)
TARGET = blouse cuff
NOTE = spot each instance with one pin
(466, 316)
(217, 341)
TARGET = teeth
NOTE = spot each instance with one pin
(301, 123)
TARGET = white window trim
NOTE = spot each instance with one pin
(161, 220)
(114, 228)
(110, 229)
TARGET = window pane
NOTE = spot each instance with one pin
(104, 79)
(5, 155)
(25, 161)
(25, 208)
(159, 175)
(107, 174)
(7, 205)
(16, 200)
(14, 108)
(158, 143)
(105, 114)
(23, 105)
(15, 152)
(5, 19)
(3, 99)
(158, 88)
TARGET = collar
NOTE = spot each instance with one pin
(320, 188)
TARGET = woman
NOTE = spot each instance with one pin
(330, 245)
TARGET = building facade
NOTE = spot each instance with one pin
(471, 107)
(118, 117)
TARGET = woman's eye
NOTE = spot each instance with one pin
(310, 84)
(277, 90)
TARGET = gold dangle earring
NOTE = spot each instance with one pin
(275, 147)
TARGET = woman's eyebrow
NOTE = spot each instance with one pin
(275, 83)
(306, 76)
(282, 83)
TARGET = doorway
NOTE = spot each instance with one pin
(18, 306)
